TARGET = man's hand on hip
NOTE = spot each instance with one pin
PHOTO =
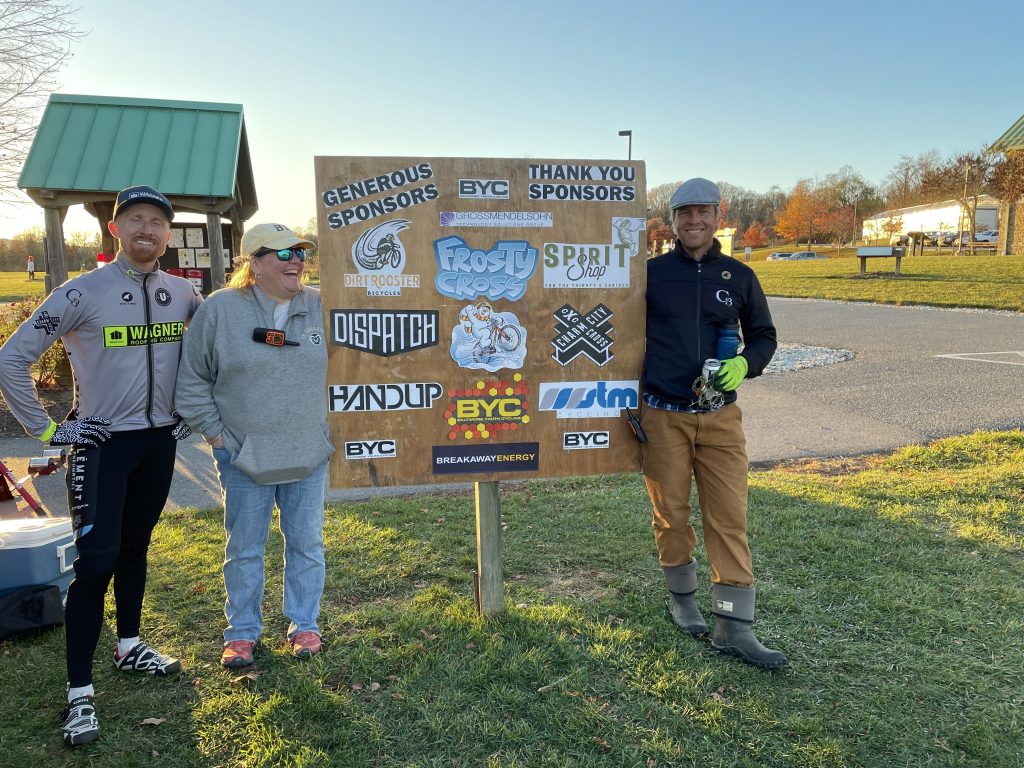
(731, 374)
(77, 432)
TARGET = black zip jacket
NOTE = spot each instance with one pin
(687, 302)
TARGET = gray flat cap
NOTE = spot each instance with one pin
(696, 192)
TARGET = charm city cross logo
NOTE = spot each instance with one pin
(472, 459)
(47, 323)
(483, 189)
(379, 257)
(141, 335)
(502, 272)
(346, 398)
(577, 441)
(370, 449)
(384, 332)
(588, 399)
(577, 334)
(162, 296)
(487, 409)
(723, 297)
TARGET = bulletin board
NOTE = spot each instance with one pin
(188, 253)
(485, 317)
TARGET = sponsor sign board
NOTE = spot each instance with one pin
(485, 316)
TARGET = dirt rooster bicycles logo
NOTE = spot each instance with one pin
(379, 258)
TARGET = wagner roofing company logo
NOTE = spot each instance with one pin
(487, 409)
(379, 258)
(473, 459)
(588, 399)
(384, 332)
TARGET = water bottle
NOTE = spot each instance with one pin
(728, 341)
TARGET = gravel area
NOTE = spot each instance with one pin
(796, 357)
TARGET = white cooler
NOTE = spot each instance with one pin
(39, 550)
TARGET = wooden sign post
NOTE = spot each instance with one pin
(485, 321)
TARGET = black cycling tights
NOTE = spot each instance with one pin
(115, 494)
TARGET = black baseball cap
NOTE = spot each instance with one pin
(142, 194)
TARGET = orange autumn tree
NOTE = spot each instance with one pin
(755, 236)
(806, 212)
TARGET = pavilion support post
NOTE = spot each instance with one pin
(216, 251)
(56, 266)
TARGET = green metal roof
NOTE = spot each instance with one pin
(1012, 139)
(89, 146)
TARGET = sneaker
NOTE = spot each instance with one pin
(305, 644)
(237, 653)
(80, 723)
(142, 658)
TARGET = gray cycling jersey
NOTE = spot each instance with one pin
(122, 330)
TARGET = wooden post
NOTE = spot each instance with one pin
(216, 251)
(491, 589)
(56, 267)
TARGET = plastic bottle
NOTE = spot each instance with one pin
(728, 341)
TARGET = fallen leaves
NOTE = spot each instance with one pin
(154, 721)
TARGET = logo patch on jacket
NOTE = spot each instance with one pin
(46, 322)
(141, 335)
(162, 296)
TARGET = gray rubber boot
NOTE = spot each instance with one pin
(682, 586)
(734, 613)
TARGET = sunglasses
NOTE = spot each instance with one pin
(285, 254)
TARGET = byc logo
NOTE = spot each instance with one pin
(483, 189)
(574, 441)
(370, 449)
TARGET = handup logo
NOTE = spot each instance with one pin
(588, 399)
(464, 272)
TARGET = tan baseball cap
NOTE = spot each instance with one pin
(273, 236)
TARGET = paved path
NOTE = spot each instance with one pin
(919, 374)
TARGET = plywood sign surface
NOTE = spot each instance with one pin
(486, 316)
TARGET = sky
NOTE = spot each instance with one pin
(753, 93)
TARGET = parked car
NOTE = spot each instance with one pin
(899, 240)
(801, 255)
(778, 256)
(930, 238)
(987, 236)
(947, 238)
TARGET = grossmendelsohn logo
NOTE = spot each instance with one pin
(140, 335)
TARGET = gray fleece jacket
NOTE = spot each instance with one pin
(268, 404)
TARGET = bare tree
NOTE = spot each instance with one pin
(35, 43)
(964, 178)
(658, 200)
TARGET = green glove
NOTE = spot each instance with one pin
(731, 374)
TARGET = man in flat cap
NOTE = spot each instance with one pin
(122, 327)
(696, 298)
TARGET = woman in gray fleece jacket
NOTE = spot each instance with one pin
(261, 404)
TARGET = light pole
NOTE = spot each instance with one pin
(630, 134)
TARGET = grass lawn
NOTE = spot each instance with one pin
(991, 282)
(894, 586)
(16, 285)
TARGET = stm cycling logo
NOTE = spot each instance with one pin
(46, 323)
(379, 258)
(141, 335)
(588, 399)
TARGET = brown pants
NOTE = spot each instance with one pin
(712, 448)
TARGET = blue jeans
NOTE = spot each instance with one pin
(247, 511)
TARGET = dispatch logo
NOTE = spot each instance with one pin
(472, 459)
(46, 322)
(384, 332)
(582, 334)
(347, 398)
(488, 408)
(588, 399)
